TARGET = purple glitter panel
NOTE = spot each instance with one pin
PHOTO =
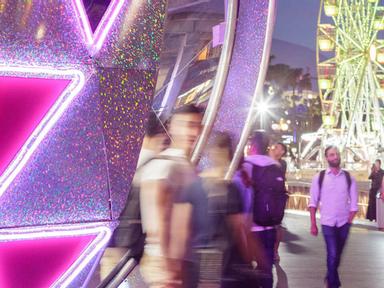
(136, 44)
(66, 178)
(82, 168)
(244, 67)
(40, 33)
(86, 161)
(124, 125)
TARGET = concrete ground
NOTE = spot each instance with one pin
(303, 265)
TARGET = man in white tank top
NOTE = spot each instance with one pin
(166, 221)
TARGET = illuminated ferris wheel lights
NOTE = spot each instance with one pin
(326, 37)
(351, 80)
(380, 93)
(378, 23)
(380, 90)
(380, 57)
(328, 120)
(325, 84)
(330, 8)
(326, 45)
(326, 74)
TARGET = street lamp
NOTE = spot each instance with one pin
(262, 109)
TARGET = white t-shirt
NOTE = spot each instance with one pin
(145, 155)
(177, 171)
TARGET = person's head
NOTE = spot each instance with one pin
(278, 151)
(155, 136)
(258, 143)
(185, 127)
(220, 150)
(332, 155)
(378, 164)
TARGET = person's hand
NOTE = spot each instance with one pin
(314, 230)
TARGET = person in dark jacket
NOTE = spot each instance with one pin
(277, 152)
(376, 177)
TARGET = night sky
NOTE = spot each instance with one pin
(296, 21)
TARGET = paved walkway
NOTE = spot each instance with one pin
(303, 265)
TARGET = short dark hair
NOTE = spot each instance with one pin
(260, 141)
(378, 160)
(154, 125)
(284, 148)
(188, 109)
(329, 148)
(222, 140)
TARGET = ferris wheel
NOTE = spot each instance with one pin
(350, 63)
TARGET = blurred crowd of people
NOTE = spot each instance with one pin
(196, 226)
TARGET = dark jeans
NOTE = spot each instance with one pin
(191, 274)
(335, 238)
(268, 240)
(371, 211)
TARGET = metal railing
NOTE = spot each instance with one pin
(120, 272)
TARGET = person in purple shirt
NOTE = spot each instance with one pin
(336, 196)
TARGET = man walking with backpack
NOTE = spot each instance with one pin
(334, 191)
(269, 197)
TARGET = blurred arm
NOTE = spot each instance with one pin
(180, 230)
(240, 233)
(382, 189)
(313, 203)
(156, 205)
(354, 201)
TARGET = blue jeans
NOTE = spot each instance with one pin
(267, 238)
(335, 238)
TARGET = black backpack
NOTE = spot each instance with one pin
(270, 195)
(129, 232)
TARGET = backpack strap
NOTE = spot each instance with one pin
(159, 157)
(321, 179)
(245, 178)
(320, 182)
(349, 180)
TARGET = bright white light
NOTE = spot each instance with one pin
(284, 126)
(275, 126)
(262, 107)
